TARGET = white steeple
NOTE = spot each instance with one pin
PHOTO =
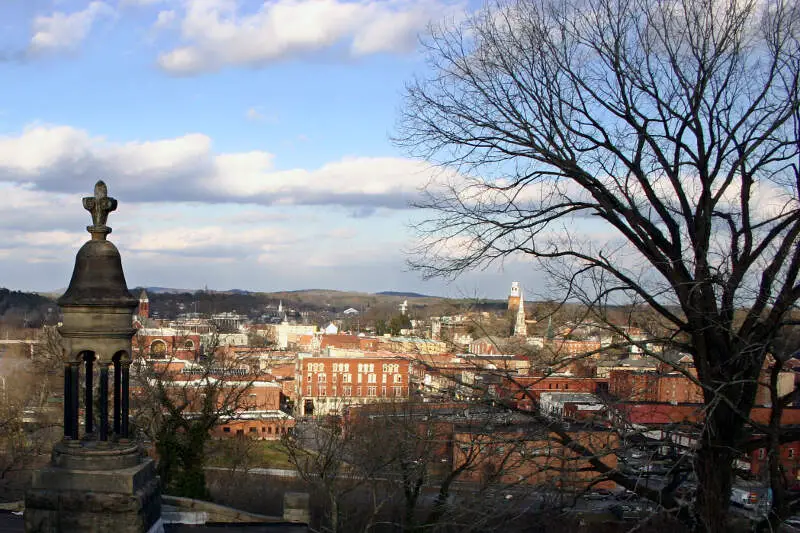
(520, 328)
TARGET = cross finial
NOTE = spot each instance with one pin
(99, 205)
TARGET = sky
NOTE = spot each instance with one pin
(247, 142)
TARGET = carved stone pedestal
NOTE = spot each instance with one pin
(94, 486)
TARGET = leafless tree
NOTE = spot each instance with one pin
(674, 126)
(28, 425)
(177, 404)
(323, 453)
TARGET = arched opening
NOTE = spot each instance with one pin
(158, 349)
(121, 361)
(188, 345)
(88, 359)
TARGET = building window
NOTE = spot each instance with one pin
(263, 429)
(385, 377)
(359, 378)
(189, 345)
(372, 391)
(347, 378)
(358, 391)
(398, 391)
(308, 390)
(398, 378)
(322, 391)
(333, 390)
(761, 453)
(158, 348)
(383, 391)
(372, 378)
(321, 378)
(310, 377)
(348, 391)
(253, 430)
(333, 378)
(566, 386)
(226, 430)
(791, 453)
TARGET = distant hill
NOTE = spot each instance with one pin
(26, 309)
(404, 294)
(163, 290)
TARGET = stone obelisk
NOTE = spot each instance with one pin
(98, 478)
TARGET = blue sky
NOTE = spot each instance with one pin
(247, 142)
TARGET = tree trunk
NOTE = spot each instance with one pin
(731, 384)
(334, 501)
(714, 467)
(714, 463)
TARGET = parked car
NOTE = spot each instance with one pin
(598, 494)
(791, 525)
(631, 510)
(626, 495)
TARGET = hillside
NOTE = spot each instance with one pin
(31, 309)
(26, 309)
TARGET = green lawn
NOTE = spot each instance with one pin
(241, 453)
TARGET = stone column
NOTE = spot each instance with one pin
(68, 422)
(104, 401)
(117, 390)
(75, 370)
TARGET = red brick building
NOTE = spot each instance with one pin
(260, 417)
(256, 402)
(534, 461)
(166, 343)
(634, 385)
(325, 385)
(519, 389)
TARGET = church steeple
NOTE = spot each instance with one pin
(520, 328)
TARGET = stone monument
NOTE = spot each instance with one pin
(98, 478)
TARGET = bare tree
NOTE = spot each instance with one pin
(177, 404)
(323, 454)
(673, 126)
(28, 427)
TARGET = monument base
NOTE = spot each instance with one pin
(65, 499)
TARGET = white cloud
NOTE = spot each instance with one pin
(216, 34)
(255, 115)
(65, 159)
(65, 31)
(143, 2)
(165, 19)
